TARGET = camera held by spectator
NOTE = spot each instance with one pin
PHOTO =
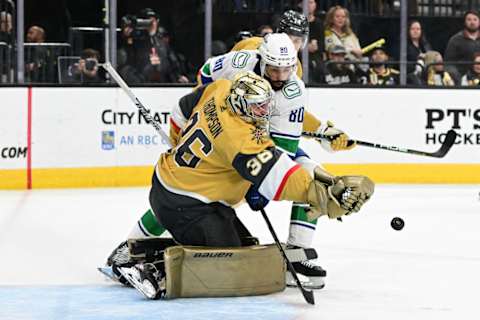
(136, 27)
(86, 69)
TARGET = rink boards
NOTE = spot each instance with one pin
(92, 137)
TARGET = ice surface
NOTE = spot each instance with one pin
(51, 242)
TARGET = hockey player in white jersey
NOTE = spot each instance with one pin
(276, 61)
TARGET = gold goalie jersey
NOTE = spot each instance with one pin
(219, 155)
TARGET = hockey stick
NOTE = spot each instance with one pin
(308, 295)
(111, 70)
(440, 153)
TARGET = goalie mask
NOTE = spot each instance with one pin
(278, 59)
(296, 26)
(251, 97)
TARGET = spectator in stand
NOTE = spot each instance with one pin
(379, 74)
(434, 73)
(417, 44)
(146, 52)
(6, 27)
(338, 31)
(35, 34)
(316, 35)
(263, 30)
(126, 55)
(316, 41)
(465, 43)
(472, 77)
(335, 71)
(6, 47)
(85, 70)
(35, 57)
(177, 62)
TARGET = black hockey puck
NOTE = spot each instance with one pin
(397, 223)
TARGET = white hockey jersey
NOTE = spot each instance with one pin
(287, 119)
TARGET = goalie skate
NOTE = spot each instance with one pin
(108, 272)
(146, 278)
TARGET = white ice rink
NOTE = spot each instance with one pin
(51, 242)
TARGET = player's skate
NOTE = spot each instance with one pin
(311, 275)
(146, 278)
(314, 274)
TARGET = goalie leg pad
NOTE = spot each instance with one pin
(223, 272)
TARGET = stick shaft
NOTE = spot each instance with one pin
(111, 70)
(447, 144)
(308, 295)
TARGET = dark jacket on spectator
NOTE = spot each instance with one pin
(388, 78)
(143, 48)
(335, 74)
(6, 37)
(413, 52)
(431, 78)
(316, 32)
(471, 79)
(461, 48)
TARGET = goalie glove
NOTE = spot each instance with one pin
(349, 194)
(336, 139)
(337, 196)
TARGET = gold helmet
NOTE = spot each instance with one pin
(251, 97)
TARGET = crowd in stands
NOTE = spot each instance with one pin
(375, 67)
(336, 54)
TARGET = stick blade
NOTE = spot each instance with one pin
(447, 144)
(309, 297)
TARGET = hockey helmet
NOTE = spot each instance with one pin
(294, 24)
(251, 97)
(277, 51)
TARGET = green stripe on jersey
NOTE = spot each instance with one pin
(151, 225)
(299, 214)
(286, 144)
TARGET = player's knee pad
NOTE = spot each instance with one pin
(221, 272)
